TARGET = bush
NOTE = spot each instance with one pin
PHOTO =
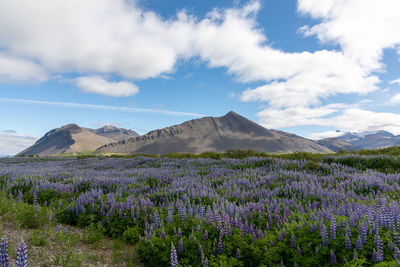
(131, 235)
(93, 233)
(28, 216)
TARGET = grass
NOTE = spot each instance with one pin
(51, 244)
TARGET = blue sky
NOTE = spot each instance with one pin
(309, 67)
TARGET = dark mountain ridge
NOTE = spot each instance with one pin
(216, 134)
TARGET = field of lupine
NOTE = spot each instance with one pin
(227, 212)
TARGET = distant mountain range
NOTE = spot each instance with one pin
(216, 134)
(361, 140)
(74, 139)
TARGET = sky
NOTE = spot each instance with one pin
(308, 67)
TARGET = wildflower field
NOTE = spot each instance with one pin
(265, 211)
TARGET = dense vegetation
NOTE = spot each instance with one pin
(293, 210)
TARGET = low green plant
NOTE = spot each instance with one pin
(131, 235)
(38, 238)
(67, 239)
(29, 216)
(93, 233)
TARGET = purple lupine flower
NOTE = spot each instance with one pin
(34, 201)
(375, 256)
(174, 256)
(157, 220)
(162, 234)
(179, 234)
(282, 235)
(220, 246)
(363, 231)
(267, 226)
(205, 235)
(396, 253)
(333, 258)
(347, 242)
(390, 245)
(20, 196)
(238, 253)
(299, 251)
(201, 253)
(359, 244)
(4, 252)
(170, 214)
(180, 246)
(132, 212)
(379, 248)
(333, 229)
(205, 262)
(396, 238)
(324, 235)
(355, 255)
(22, 255)
(293, 241)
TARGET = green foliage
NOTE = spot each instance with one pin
(131, 235)
(27, 216)
(67, 239)
(381, 163)
(93, 233)
(38, 238)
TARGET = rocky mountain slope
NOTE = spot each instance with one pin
(73, 139)
(217, 134)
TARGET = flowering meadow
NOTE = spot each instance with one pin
(226, 212)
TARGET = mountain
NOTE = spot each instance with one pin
(114, 133)
(369, 139)
(362, 140)
(217, 134)
(72, 139)
(336, 144)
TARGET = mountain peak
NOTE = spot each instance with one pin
(72, 138)
(232, 113)
(71, 126)
(217, 134)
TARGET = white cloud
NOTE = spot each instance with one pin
(96, 84)
(345, 119)
(117, 37)
(363, 28)
(13, 143)
(100, 107)
(17, 70)
(323, 135)
(395, 99)
(293, 116)
(232, 39)
(100, 36)
(395, 81)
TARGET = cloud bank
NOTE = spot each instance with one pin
(13, 143)
(104, 38)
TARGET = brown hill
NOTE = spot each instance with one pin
(217, 134)
(73, 139)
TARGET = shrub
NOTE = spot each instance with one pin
(131, 235)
